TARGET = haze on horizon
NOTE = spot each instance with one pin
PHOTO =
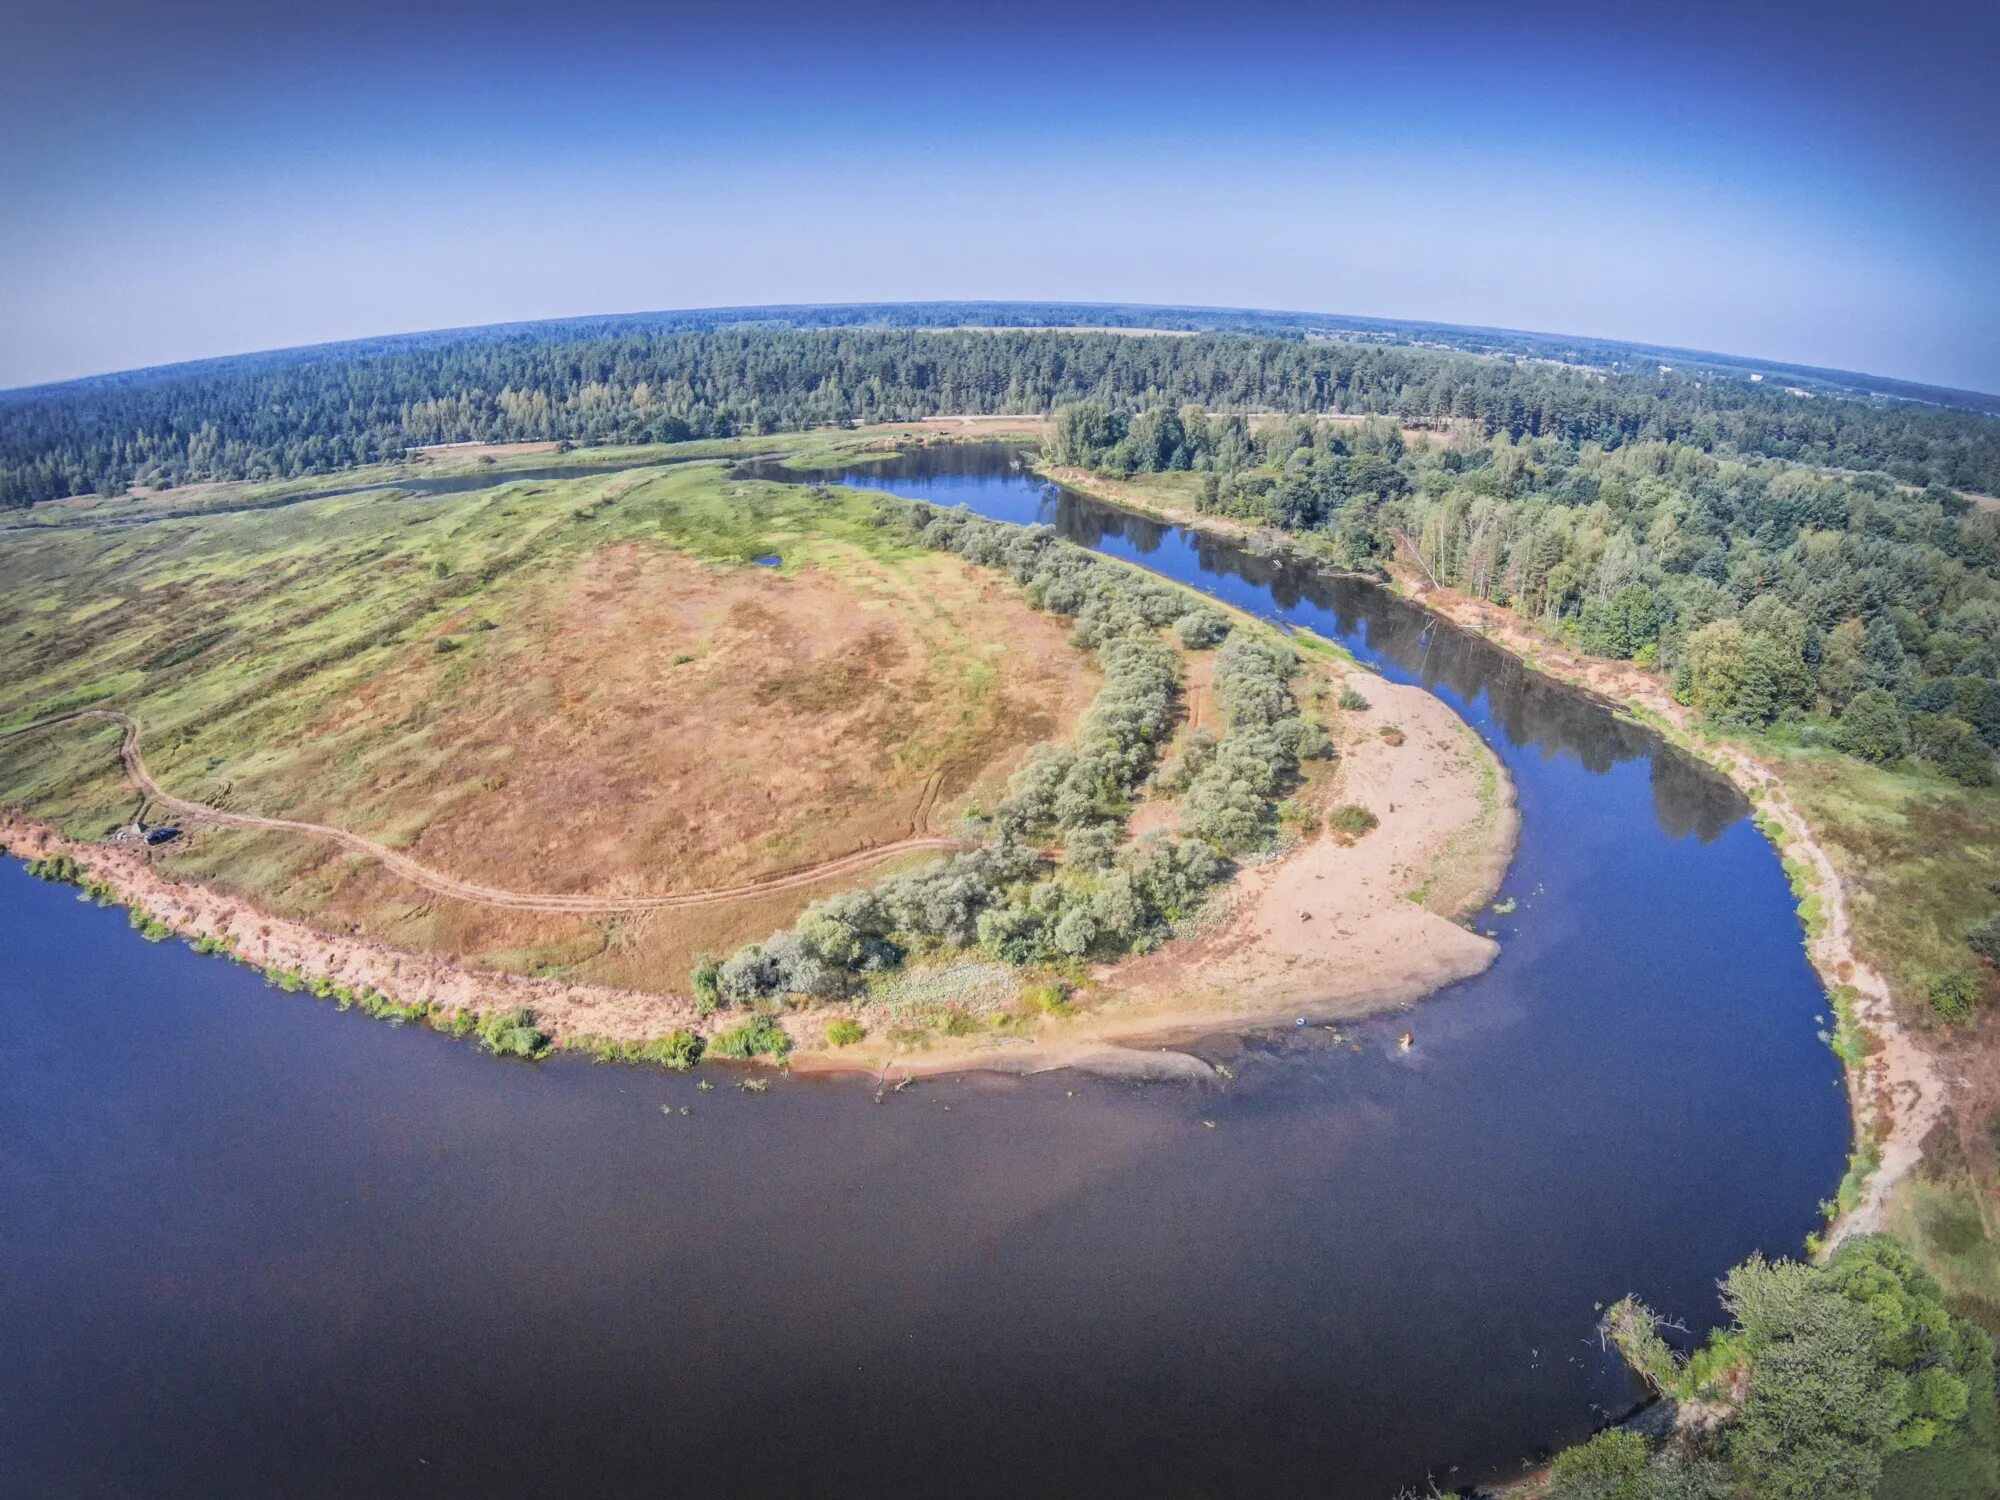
(1805, 184)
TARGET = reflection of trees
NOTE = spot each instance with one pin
(1688, 797)
(1089, 524)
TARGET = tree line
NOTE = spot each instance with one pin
(670, 379)
(1765, 590)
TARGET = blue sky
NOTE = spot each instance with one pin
(1814, 183)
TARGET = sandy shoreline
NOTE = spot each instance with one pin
(1328, 930)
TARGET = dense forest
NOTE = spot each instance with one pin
(666, 378)
(1765, 589)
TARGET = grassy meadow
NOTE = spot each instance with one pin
(578, 684)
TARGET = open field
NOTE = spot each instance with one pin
(581, 686)
(585, 729)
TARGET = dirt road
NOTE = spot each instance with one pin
(464, 890)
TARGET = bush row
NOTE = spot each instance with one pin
(1006, 896)
(1231, 800)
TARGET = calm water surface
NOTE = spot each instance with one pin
(251, 1245)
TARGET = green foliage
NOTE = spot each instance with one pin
(1873, 727)
(1953, 746)
(1351, 820)
(1611, 1466)
(1962, 1464)
(759, 1037)
(1862, 1163)
(844, 1032)
(511, 1033)
(1618, 1465)
(1200, 629)
(1621, 626)
(148, 926)
(1848, 1363)
(1352, 701)
(1847, 1039)
(678, 1050)
(1984, 940)
(60, 869)
(1842, 1368)
(707, 982)
(1105, 899)
(1048, 998)
(1632, 1326)
(1953, 996)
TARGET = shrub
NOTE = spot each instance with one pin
(1873, 728)
(511, 1033)
(1003, 895)
(707, 982)
(1985, 941)
(1351, 821)
(1953, 747)
(1199, 629)
(1352, 701)
(59, 868)
(1094, 846)
(1048, 998)
(1608, 1467)
(1848, 1362)
(761, 1037)
(1231, 802)
(1952, 996)
(148, 926)
(679, 1050)
(845, 1032)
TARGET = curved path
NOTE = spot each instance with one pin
(465, 890)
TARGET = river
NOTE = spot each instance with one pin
(255, 1245)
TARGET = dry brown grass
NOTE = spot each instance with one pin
(641, 722)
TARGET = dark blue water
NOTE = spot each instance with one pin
(254, 1245)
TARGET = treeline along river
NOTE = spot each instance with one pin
(255, 1245)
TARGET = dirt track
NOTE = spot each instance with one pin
(463, 890)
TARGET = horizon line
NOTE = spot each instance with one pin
(450, 330)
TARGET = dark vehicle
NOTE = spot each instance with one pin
(162, 835)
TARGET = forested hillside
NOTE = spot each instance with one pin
(1765, 589)
(666, 378)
